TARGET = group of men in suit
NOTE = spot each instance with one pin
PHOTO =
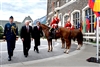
(27, 34)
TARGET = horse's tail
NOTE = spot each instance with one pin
(81, 36)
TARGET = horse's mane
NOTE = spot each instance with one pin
(45, 25)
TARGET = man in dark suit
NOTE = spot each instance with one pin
(36, 34)
(10, 35)
(26, 32)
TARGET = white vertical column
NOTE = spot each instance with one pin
(97, 36)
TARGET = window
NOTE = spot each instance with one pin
(76, 19)
(66, 18)
(49, 20)
(67, 1)
(58, 4)
(60, 18)
(89, 13)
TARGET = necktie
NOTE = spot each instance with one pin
(38, 27)
(27, 28)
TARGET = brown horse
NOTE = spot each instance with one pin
(63, 33)
(76, 34)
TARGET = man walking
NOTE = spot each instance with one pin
(26, 32)
(36, 34)
(10, 35)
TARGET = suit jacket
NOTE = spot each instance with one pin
(24, 34)
(37, 33)
(10, 31)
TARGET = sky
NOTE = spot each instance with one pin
(20, 9)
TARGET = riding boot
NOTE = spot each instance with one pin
(50, 33)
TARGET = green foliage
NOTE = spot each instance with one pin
(1, 32)
(1, 29)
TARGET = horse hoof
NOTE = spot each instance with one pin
(78, 48)
(64, 52)
(67, 53)
(48, 50)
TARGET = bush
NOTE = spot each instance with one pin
(1, 35)
(1, 32)
(1, 29)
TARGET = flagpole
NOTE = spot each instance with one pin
(88, 36)
(97, 36)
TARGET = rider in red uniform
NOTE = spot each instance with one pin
(73, 27)
(68, 24)
(54, 25)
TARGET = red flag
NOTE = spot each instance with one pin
(87, 24)
(97, 14)
(91, 3)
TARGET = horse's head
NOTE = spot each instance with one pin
(44, 27)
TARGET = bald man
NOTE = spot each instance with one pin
(26, 32)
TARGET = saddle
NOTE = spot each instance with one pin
(53, 33)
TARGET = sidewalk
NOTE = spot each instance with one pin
(74, 59)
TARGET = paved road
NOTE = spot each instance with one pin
(18, 53)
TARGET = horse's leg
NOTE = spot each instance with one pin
(68, 44)
(79, 44)
(51, 46)
(80, 40)
(63, 43)
(48, 45)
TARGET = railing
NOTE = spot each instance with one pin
(90, 35)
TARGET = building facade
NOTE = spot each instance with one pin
(78, 9)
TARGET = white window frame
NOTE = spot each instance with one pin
(66, 1)
(69, 1)
(66, 14)
(83, 15)
(48, 20)
(72, 16)
(61, 19)
(58, 4)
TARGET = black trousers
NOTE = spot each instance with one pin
(10, 47)
(37, 43)
(26, 46)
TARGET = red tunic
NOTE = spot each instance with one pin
(68, 25)
(72, 27)
(55, 22)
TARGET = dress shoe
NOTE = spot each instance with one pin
(12, 55)
(9, 59)
(34, 49)
(26, 56)
(37, 51)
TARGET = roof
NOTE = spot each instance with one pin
(27, 18)
(42, 20)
